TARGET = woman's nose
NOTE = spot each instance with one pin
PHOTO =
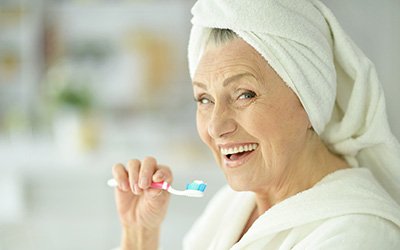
(221, 123)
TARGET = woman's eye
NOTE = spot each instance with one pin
(203, 100)
(247, 95)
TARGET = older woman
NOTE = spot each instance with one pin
(294, 115)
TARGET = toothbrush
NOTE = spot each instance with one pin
(194, 189)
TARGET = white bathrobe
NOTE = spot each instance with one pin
(347, 209)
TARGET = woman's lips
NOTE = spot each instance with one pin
(238, 156)
(235, 156)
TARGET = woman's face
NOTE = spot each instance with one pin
(252, 122)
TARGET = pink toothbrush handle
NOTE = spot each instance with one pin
(160, 185)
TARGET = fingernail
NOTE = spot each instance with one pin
(159, 176)
(143, 182)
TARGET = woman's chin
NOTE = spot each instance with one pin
(237, 188)
(237, 185)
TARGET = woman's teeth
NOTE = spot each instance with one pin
(240, 149)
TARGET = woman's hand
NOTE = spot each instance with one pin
(141, 209)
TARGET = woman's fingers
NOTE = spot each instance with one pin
(138, 204)
(162, 174)
(133, 167)
(138, 175)
(147, 170)
(121, 176)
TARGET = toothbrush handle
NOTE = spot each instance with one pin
(160, 185)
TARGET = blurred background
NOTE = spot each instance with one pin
(85, 84)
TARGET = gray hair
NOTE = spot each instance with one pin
(220, 37)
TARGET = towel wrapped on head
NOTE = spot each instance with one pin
(335, 82)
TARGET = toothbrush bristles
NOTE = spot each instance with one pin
(196, 186)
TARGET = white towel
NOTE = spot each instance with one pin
(336, 83)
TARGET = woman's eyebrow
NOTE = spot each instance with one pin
(227, 81)
(200, 85)
(234, 78)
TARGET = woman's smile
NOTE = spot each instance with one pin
(235, 155)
